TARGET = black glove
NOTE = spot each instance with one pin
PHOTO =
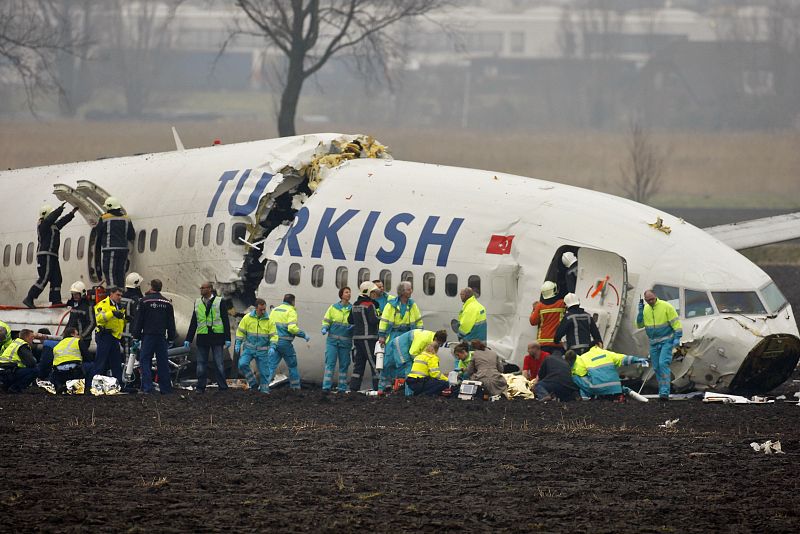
(118, 314)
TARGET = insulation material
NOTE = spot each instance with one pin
(669, 423)
(105, 385)
(768, 447)
(518, 387)
(74, 387)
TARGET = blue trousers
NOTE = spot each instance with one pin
(109, 356)
(389, 374)
(15, 380)
(336, 352)
(202, 367)
(427, 386)
(661, 358)
(154, 344)
(284, 350)
(262, 361)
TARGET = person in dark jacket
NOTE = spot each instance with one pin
(18, 366)
(114, 232)
(81, 316)
(555, 379)
(154, 327)
(211, 324)
(365, 320)
(47, 266)
(577, 327)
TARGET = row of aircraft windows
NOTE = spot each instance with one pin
(451, 287)
(238, 231)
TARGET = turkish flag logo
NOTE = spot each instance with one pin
(500, 244)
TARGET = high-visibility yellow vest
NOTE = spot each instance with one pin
(11, 354)
(426, 365)
(212, 321)
(7, 341)
(104, 316)
(67, 350)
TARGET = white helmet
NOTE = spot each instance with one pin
(45, 210)
(112, 203)
(549, 289)
(133, 280)
(568, 258)
(77, 287)
(571, 299)
(367, 287)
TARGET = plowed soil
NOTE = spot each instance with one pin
(305, 462)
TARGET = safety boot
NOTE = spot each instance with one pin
(27, 301)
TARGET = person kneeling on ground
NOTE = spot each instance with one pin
(18, 366)
(555, 379)
(595, 373)
(425, 377)
(485, 367)
(67, 360)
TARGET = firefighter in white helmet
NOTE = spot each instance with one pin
(114, 232)
(547, 314)
(570, 263)
(81, 316)
(131, 297)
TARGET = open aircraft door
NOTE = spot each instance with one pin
(602, 286)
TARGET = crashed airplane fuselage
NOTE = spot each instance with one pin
(309, 214)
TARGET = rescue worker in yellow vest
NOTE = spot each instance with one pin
(17, 363)
(284, 317)
(401, 351)
(336, 326)
(664, 329)
(253, 343)
(471, 322)
(595, 372)
(5, 336)
(425, 377)
(400, 314)
(67, 360)
(211, 324)
(110, 319)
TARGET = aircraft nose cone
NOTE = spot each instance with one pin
(769, 364)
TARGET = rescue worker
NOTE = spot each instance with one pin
(401, 351)
(578, 327)
(81, 316)
(570, 263)
(471, 322)
(114, 232)
(554, 380)
(48, 232)
(132, 294)
(154, 328)
(364, 318)
(336, 326)
(425, 377)
(211, 324)
(285, 319)
(67, 360)
(400, 315)
(595, 373)
(664, 330)
(253, 343)
(383, 297)
(486, 367)
(17, 364)
(5, 336)
(110, 319)
(547, 315)
(533, 360)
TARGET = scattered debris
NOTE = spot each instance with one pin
(725, 399)
(659, 225)
(105, 385)
(768, 447)
(669, 423)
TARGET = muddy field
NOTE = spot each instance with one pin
(304, 462)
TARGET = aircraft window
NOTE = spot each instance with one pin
(363, 276)
(142, 238)
(697, 303)
(386, 278)
(429, 283)
(153, 239)
(317, 275)
(238, 232)
(294, 274)
(451, 285)
(18, 254)
(179, 237)
(341, 277)
(192, 236)
(738, 302)
(221, 234)
(81, 243)
(7, 256)
(670, 294)
(67, 245)
(206, 235)
(29, 254)
(407, 276)
(474, 281)
(271, 272)
(773, 297)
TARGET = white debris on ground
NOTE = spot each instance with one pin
(669, 423)
(768, 447)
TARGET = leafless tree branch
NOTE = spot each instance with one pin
(644, 167)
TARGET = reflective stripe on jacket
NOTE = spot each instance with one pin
(104, 317)
(11, 354)
(255, 332)
(336, 322)
(398, 318)
(660, 322)
(595, 371)
(67, 350)
(208, 321)
(7, 341)
(284, 317)
(547, 317)
(472, 321)
(426, 365)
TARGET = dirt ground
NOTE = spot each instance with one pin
(239, 461)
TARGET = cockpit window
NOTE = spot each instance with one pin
(773, 297)
(670, 294)
(697, 303)
(746, 302)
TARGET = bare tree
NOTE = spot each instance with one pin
(308, 33)
(641, 172)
